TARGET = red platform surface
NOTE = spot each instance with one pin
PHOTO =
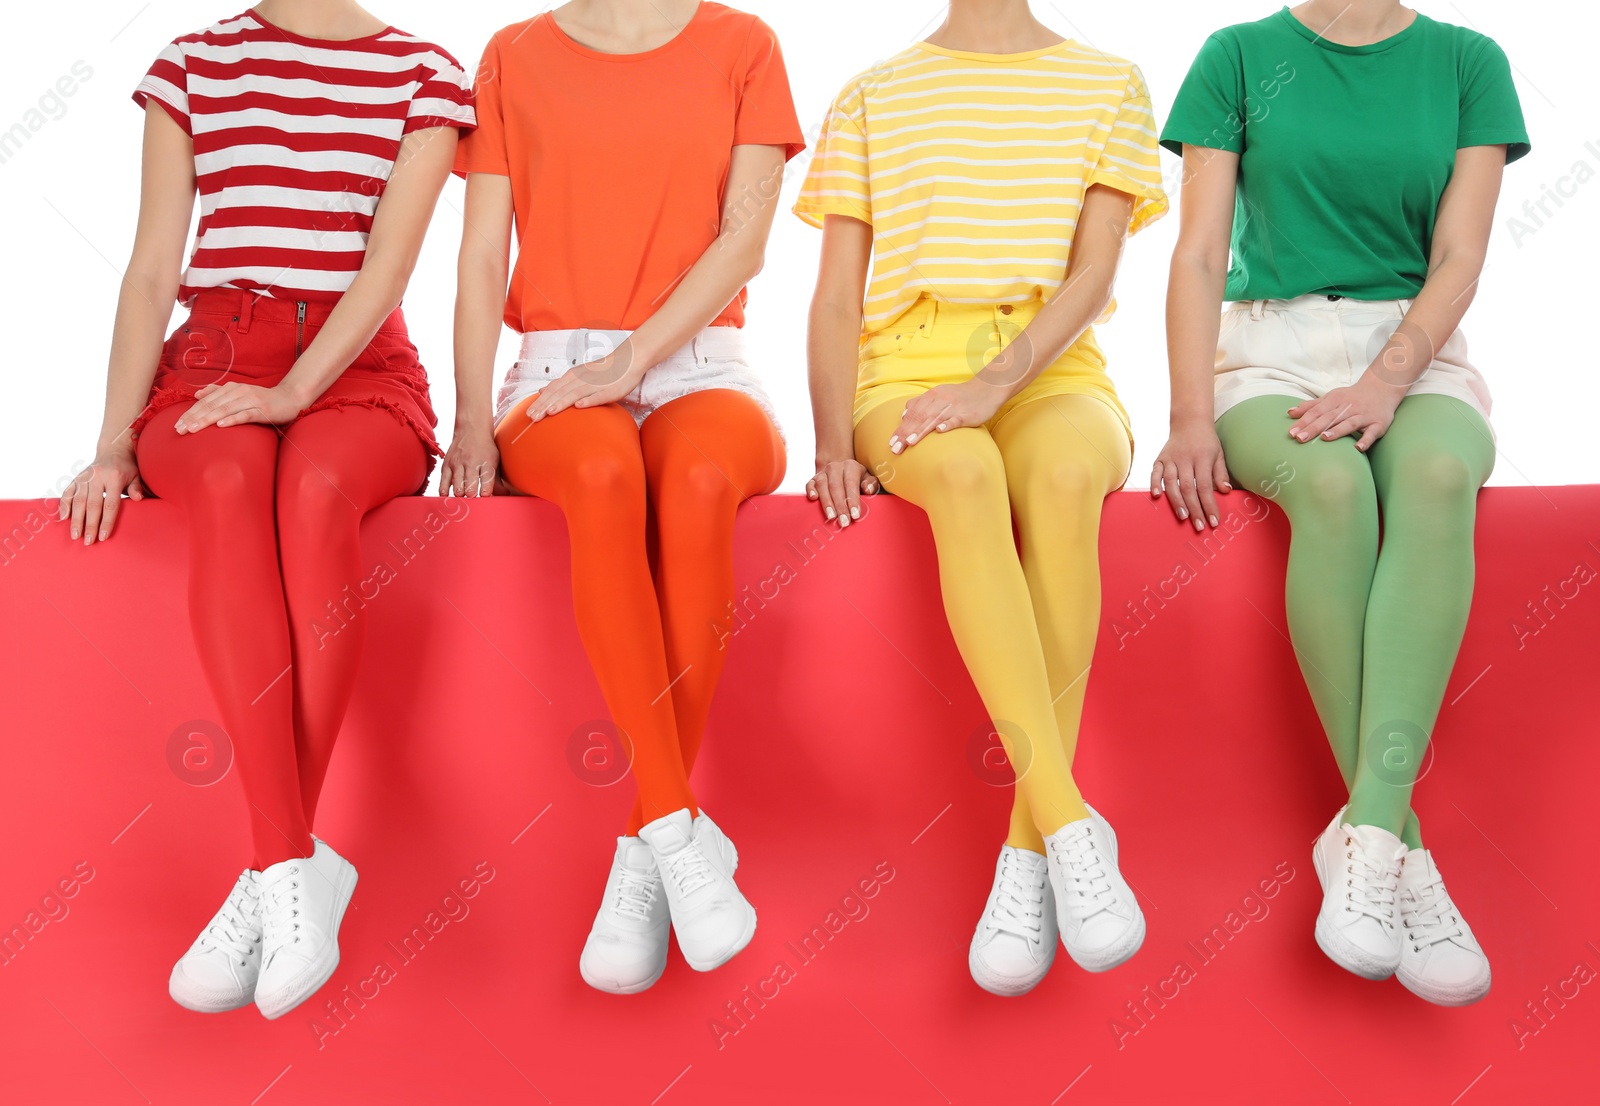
(848, 757)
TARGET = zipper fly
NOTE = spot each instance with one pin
(299, 328)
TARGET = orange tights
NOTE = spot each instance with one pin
(693, 461)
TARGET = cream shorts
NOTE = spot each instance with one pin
(714, 358)
(1308, 346)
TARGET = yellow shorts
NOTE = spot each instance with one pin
(942, 343)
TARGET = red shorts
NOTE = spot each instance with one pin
(250, 339)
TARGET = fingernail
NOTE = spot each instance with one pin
(74, 533)
(1213, 520)
(1227, 487)
(1183, 513)
(895, 446)
(1199, 525)
(855, 512)
(911, 439)
(844, 521)
(828, 513)
(944, 426)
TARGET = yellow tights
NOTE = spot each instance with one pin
(1024, 620)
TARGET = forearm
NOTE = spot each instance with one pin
(1059, 323)
(143, 309)
(481, 292)
(1433, 318)
(355, 319)
(1194, 299)
(833, 348)
(730, 263)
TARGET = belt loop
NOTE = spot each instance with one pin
(1257, 309)
(247, 309)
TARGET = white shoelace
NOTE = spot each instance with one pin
(1371, 884)
(1018, 902)
(280, 908)
(636, 894)
(1088, 882)
(688, 868)
(233, 929)
(1434, 919)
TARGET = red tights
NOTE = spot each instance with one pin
(694, 460)
(274, 526)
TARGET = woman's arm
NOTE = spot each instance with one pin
(1460, 245)
(1190, 467)
(749, 202)
(149, 288)
(393, 245)
(1097, 243)
(482, 273)
(833, 349)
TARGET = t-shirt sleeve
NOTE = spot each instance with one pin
(1130, 160)
(836, 182)
(484, 150)
(445, 98)
(1209, 109)
(1491, 113)
(167, 84)
(765, 115)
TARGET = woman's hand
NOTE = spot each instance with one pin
(838, 486)
(94, 498)
(1191, 470)
(1364, 409)
(235, 404)
(470, 465)
(947, 407)
(593, 384)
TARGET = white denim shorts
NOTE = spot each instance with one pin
(1310, 345)
(715, 358)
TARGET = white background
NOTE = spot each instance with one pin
(70, 196)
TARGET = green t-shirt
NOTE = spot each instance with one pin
(1344, 150)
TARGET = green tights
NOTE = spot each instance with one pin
(1376, 631)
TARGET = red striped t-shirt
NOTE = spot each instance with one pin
(294, 140)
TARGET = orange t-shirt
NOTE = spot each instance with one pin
(618, 161)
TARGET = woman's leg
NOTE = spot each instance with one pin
(224, 478)
(590, 463)
(959, 479)
(1063, 456)
(704, 455)
(1428, 469)
(1326, 489)
(333, 467)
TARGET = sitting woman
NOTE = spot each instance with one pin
(991, 175)
(288, 405)
(1357, 180)
(637, 148)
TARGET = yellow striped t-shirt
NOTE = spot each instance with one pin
(971, 168)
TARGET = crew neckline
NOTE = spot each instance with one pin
(997, 59)
(306, 40)
(577, 47)
(1378, 47)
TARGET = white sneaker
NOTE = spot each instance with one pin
(1359, 869)
(627, 947)
(219, 971)
(1440, 959)
(696, 861)
(1100, 920)
(1015, 942)
(302, 903)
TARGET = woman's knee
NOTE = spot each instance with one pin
(1337, 493)
(309, 495)
(1435, 476)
